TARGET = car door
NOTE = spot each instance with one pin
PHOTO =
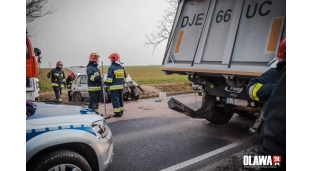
(83, 86)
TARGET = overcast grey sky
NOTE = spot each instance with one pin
(80, 27)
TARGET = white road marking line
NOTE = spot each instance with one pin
(200, 158)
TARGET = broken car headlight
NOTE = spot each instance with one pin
(100, 128)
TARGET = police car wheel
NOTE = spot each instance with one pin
(62, 160)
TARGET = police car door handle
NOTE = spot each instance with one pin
(79, 85)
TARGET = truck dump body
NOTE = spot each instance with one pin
(214, 37)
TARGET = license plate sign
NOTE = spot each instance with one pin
(237, 102)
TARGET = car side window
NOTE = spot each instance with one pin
(83, 79)
(78, 80)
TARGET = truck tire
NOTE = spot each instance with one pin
(60, 159)
(77, 97)
(219, 116)
(214, 113)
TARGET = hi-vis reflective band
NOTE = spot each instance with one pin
(116, 87)
(56, 74)
(54, 84)
(253, 91)
(94, 88)
(116, 110)
(94, 75)
(120, 73)
(35, 132)
(109, 80)
(122, 109)
(64, 80)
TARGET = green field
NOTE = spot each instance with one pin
(143, 75)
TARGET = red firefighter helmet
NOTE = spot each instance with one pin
(94, 57)
(282, 50)
(114, 57)
(72, 76)
(59, 63)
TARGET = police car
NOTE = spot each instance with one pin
(65, 137)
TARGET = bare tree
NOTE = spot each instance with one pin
(35, 9)
(164, 25)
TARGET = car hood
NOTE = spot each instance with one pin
(59, 113)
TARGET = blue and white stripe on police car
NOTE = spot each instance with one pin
(35, 132)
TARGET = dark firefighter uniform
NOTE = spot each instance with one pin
(94, 81)
(115, 80)
(270, 87)
(260, 88)
(57, 76)
(69, 82)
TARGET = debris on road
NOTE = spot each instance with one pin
(235, 162)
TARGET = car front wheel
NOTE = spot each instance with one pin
(62, 160)
(77, 97)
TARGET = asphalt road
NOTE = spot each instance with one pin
(158, 140)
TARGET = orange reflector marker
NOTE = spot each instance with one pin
(177, 50)
(275, 31)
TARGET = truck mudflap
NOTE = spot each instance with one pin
(219, 110)
(180, 107)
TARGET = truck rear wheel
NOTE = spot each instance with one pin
(219, 115)
(212, 112)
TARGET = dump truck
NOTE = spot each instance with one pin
(222, 44)
(32, 71)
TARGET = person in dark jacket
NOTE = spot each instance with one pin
(94, 81)
(57, 76)
(273, 136)
(116, 76)
(69, 82)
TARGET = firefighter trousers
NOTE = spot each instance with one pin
(93, 102)
(58, 92)
(70, 97)
(98, 100)
(117, 101)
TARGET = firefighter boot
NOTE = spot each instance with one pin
(117, 114)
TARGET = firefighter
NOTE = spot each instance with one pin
(94, 81)
(69, 82)
(58, 81)
(273, 136)
(116, 76)
(260, 88)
